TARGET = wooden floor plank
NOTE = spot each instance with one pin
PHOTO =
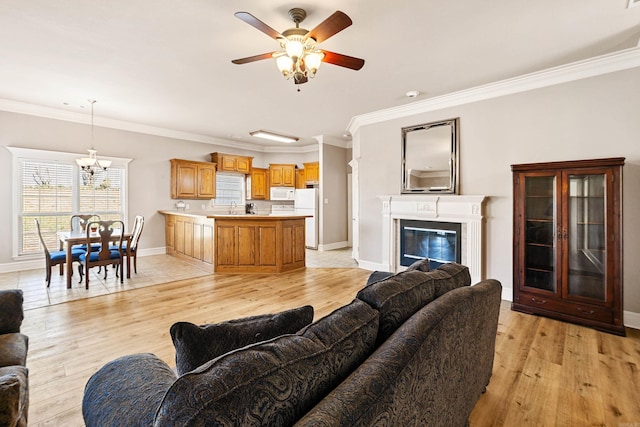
(545, 372)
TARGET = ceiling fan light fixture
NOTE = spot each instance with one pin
(285, 65)
(272, 136)
(294, 48)
(313, 60)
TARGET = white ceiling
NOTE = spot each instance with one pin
(167, 63)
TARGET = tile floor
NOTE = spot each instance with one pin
(152, 270)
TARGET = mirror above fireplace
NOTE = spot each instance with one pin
(430, 157)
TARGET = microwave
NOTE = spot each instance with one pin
(282, 193)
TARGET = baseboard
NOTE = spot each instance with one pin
(373, 266)
(332, 246)
(632, 320)
(152, 251)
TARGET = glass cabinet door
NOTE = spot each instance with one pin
(540, 230)
(586, 223)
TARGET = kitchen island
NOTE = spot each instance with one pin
(237, 243)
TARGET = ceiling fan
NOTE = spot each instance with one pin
(300, 57)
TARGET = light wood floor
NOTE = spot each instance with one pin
(546, 372)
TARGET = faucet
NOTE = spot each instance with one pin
(233, 207)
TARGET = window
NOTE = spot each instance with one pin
(229, 189)
(49, 187)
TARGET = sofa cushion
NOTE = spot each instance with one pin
(196, 345)
(273, 382)
(126, 391)
(14, 398)
(377, 276)
(401, 295)
(420, 265)
(13, 349)
(11, 314)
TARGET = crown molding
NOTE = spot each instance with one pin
(605, 64)
(75, 117)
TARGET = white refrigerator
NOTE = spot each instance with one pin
(306, 203)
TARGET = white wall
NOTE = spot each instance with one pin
(594, 117)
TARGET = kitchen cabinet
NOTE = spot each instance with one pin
(259, 244)
(259, 184)
(189, 236)
(192, 180)
(567, 242)
(312, 172)
(232, 162)
(301, 180)
(282, 175)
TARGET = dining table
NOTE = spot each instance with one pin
(78, 237)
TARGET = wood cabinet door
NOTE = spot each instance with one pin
(206, 181)
(259, 185)
(289, 176)
(275, 176)
(243, 164)
(312, 172)
(185, 180)
(227, 163)
(301, 180)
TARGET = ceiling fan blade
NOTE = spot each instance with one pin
(258, 24)
(342, 60)
(253, 58)
(330, 26)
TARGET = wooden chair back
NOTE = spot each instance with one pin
(80, 221)
(138, 225)
(106, 230)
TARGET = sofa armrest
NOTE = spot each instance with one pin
(126, 391)
(11, 314)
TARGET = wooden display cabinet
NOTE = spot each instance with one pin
(282, 175)
(232, 162)
(567, 245)
(192, 180)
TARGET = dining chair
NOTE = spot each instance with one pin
(138, 225)
(106, 254)
(56, 257)
(80, 221)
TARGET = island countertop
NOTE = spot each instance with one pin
(240, 216)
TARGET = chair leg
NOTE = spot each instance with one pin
(135, 263)
(48, 275)
(62, 269)
(121, 268)
(80, 268)
(86, 276)
(105, 272)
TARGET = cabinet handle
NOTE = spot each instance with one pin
(538, 301)
(590, 312)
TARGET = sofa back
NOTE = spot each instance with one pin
(277, 381)
(430, 371)
(399, 296)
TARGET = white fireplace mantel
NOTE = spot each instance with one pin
(465, 210)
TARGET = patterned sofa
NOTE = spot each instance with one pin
(14, 385)
(412, 349)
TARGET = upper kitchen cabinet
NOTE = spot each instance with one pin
(301, 180)
(192, 180)
(232, 162)
(259, 184)
(282, 175)
(312, 172)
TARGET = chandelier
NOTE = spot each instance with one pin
(91, 167)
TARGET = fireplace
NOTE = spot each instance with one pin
(439, 216)
(440, 242)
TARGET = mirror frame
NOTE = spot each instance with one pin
(452, 188)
